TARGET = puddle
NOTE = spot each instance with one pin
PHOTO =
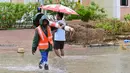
(76, 57)
(29, 68)
(22, 68)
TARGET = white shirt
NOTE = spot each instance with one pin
(60, 33)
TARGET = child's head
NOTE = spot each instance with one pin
(45, 22)
(59, 16)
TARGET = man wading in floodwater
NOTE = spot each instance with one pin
(59, 36)
(43, 41)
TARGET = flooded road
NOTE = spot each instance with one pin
(110, 59)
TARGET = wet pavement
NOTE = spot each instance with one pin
(110, 59)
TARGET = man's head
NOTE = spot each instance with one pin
(59, 16)
(38, 9)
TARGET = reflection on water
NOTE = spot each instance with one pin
(24, 68)
(92, 60)
(33, 68)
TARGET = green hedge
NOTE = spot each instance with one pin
(112, 26)
(127, 17)
(10, 13)
(91, 12)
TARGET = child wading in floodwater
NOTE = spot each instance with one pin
(43, 41)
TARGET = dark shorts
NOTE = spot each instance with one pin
(58, 44)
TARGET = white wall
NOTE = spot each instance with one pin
(4, 0)
(112, 7)
(27, 1)
(41, 2)
(116, 11)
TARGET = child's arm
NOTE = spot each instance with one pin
(35, 42)
(56, 25)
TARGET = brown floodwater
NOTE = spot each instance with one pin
(109, 59)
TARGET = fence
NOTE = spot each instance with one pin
(26, 25)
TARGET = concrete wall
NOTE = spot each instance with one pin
(112, 7)
(4, 0)
(28, 1)
(22, 1)
(107, 4)
(85, 2)
(109, 7)
(17, 1)
(99, 2)
(125, 10)
(116, 11)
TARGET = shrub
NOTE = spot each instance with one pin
(10, 12)
(127, 17)
(71, 17)
(91, 12)
(113, 26)
(126, 27)
(67, 3)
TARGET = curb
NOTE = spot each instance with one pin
(103, 45)
(3, 29)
